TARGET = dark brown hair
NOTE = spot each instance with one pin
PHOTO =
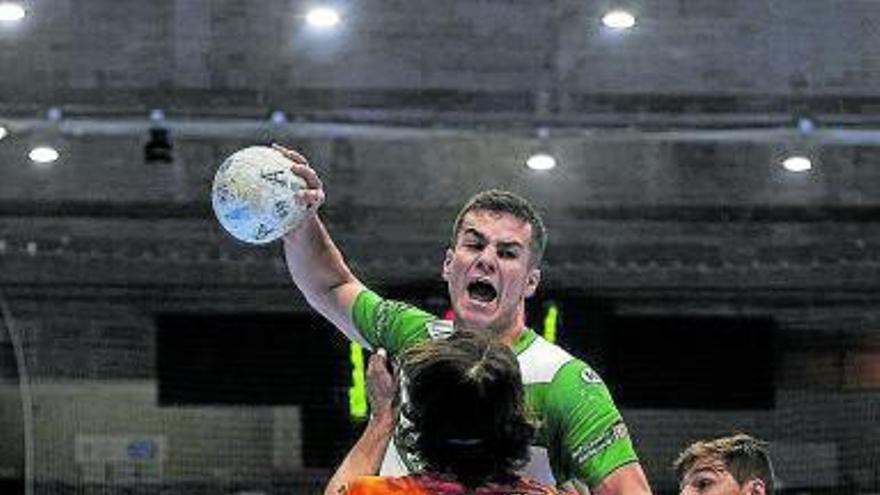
(466, 408)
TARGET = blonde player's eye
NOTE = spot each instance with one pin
(702, 484)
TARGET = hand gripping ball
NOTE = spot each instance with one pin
(253, 195)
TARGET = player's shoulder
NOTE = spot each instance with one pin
(390, 323)
(529, 486)
(382, 485)
(543, 362)
(368, 300)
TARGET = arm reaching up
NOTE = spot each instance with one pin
(316, 265)
(365, 457)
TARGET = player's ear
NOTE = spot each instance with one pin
(534, 278)
(755, 486)
(446, 264)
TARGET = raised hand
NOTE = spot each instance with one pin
(313, 194)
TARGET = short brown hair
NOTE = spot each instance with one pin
(466, 408)
(744, 456)
(496, 200)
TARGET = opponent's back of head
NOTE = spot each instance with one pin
(465, 402)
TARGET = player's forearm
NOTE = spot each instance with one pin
(625, 480)
(365, 457)
(319, 270)
(315, 263)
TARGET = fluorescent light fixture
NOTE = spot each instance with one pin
(11, 11)
(43, 154)
(619, 19)
(541, 161)
(322, 17)
(797, 163)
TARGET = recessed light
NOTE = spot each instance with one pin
(11, 12)
(541, 161)
(322, 17)
(43, 154)
(619, 19)
(797, 163)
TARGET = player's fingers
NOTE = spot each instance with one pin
(312, 198)
(308, 174)
(377, 367)
(379, 357)
(291, 154)
(377, 361)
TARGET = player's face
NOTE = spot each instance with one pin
(712, 478)
(488, 271)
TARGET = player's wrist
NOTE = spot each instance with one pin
(308, 221)
(385, 415)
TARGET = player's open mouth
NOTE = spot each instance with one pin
(482, 291)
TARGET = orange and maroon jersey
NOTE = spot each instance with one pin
(432, 485)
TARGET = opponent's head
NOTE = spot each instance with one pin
(733, 465)
(465, 402)
(492, 264)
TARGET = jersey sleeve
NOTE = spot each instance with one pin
(390, 324)
(591, 438)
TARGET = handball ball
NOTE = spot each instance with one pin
(253, 195)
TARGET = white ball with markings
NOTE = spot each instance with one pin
(253, 195)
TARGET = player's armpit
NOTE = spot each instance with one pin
(628, 479)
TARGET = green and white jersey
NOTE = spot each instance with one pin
(581, 433)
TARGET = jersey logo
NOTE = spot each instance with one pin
(589, 450)
(590, 376)
(439, 329)
(386, 311)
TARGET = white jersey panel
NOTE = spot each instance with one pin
(540, 361)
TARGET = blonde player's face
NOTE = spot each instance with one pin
(712, 478)
(488, 271)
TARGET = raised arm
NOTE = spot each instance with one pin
(316, 265)
(365, 457)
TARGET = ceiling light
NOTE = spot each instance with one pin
(797, 163)
(541, 161)
(619, 19)
(806, 126)
(278, 117)
(3, 132)
(11, 12)
(43, 154)
(322, 17)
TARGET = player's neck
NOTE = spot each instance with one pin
(507, 335)
(511, 336)
(517, 327)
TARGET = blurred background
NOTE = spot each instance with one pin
(716, 283)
